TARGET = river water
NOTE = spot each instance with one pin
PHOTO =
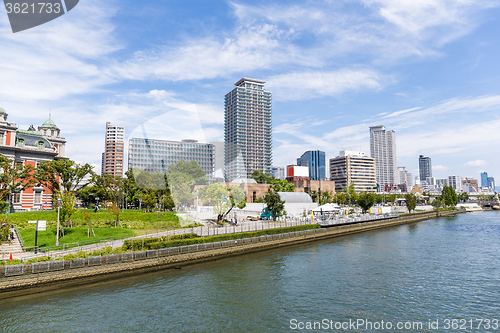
(437, 270)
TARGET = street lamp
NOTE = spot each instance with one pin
(58, 210)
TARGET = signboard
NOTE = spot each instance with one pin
(42, 225)
(31, 221)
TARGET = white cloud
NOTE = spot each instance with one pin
(310, 84)
(476, 163)
(271, 37)
(439, 168)
(60, 59)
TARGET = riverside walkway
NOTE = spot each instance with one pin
(206, 230)
(203, 231)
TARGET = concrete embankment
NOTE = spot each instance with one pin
(44, 276)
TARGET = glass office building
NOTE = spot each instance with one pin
(156, 155)
(315, 160)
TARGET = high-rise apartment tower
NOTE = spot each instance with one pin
(383, 149)
(424, 167)
(112, 159)
(247, 130)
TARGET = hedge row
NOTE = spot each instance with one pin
(163, 242)
(136, 244)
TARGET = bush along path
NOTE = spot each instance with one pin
(159, 242)
(192, 238)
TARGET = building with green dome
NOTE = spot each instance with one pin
(31, 147)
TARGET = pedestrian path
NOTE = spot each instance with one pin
(8, 247)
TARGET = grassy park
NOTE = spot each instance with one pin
(131, 223)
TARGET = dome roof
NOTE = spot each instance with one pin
(2, 111)
(295, 197)
(244, 181)
(49, 123)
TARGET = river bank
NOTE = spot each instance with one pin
(40, 277)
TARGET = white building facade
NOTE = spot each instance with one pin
(383, 149)
(247, 130)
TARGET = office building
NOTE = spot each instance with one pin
(315, 161)
(404, 177)
(112, 158)
(156, 155)
(279, 172)
(491, 183)
(218, 161)
(247, 130)
(484, 179)
(424, 167)
(31, 147)
(383, 149)
(440, 183)
(353, 167)
(455, 182)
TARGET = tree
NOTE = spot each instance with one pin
(274, 203)
(223, 199)
(390, 197)
(115, 211)
(68, 202)
(64, 178)
(326, 197)
(350, 193)
(411, 201)
(150, 199)
(262, 178)
(366, 200)
(4, 230)
(64, 175)
(14, 177)
(341, 197)
(88, 219)
(278, 185)
(449, 196)
(464, 196)
(314, 195)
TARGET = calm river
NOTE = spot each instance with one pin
(438, 270)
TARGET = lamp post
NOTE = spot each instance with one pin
(58, 210)
(8, 208)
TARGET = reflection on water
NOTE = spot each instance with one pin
(437, 269)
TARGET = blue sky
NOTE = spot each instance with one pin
(427, 69)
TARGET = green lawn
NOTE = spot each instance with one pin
(71, 235)
(132, 219)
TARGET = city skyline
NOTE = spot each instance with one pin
(412, 66)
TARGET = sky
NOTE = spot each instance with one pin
(427, 69)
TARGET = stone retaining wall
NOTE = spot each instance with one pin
(25, 279)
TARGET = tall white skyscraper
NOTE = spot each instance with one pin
(247, 130)
(112, 158)
(383, 149)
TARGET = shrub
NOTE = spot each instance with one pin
(174, 241)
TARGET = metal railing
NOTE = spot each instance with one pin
(21, 241)
(211, 230)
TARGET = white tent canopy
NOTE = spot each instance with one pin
(329, 207)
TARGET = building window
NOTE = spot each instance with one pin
(38, 197)
(16, 198)
(20, 143)
(52, 132)
(41, 145)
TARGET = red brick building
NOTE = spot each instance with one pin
(31, 147)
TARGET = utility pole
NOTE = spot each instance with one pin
(58, 211)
